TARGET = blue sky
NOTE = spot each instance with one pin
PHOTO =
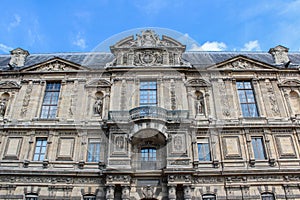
(81, 25)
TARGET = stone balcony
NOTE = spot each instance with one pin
(148, 112)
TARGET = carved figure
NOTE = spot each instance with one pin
(98, 106)
(119, 142)
(2, 107)
(148, 192)
(200, 105)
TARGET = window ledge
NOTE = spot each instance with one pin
(46, 119)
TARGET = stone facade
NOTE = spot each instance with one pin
(150, 121)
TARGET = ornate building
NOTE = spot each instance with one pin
(150, 121)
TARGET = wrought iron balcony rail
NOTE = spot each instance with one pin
(145, 112)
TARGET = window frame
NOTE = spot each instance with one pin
(89, 197)
(248, 103)
(146, 92)
(31, 196)
(52, 91)
(257, 147)
(269, 196)
(151, 154)
(44, 143)
(94, 150)
(209, 197)
(204, 156)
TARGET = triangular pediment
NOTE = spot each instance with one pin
(241, 63)
(197, 83)
(9, 85)
(290, 83)
(98, 83)
(56, 64)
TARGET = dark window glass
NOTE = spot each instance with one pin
(247, 99)
(148, 154)
(89, 197)
(204, 151)
(93, 152)
(258, 148)
(148, 93)
(31, 197)
(209, 197)
(40, 149)
(267, 196)
(50, 102)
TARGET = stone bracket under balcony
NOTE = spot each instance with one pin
(148, 112)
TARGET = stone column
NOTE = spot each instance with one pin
(172, 192)
(187, 192)
(110, 192)
(125, 193)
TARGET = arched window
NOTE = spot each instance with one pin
(31, 197)
(295, 102)
(267, 196)
(208, 197)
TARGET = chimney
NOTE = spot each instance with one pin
(280, 54)
(18, 57)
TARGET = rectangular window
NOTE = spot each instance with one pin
(258, 148)
(209, 197)
(148, 93)
(89, 197)
(50, 102)
(31, 197)
(204, 150)
(93, 151)
(40, 149)
(247, 98)
(267, 196)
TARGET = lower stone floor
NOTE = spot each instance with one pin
(138, 187)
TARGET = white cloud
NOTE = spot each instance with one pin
(5, 48)
(209, 46)
(15, 22)
(251, 46)
(80, 41)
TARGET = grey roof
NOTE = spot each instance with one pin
(199, 59)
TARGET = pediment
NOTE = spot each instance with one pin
(240, 63)
(98, 83)
(197, 83)
(148, 50)
(290, 83)
(56, 64)
(9, 85)
(147, 39)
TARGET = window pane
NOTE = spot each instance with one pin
(40, 149)
(148, 93)
(247, 99)
(93, 152)
(204, 152)
(258, 148)
(50, 101)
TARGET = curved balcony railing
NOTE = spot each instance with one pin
(145, 112)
